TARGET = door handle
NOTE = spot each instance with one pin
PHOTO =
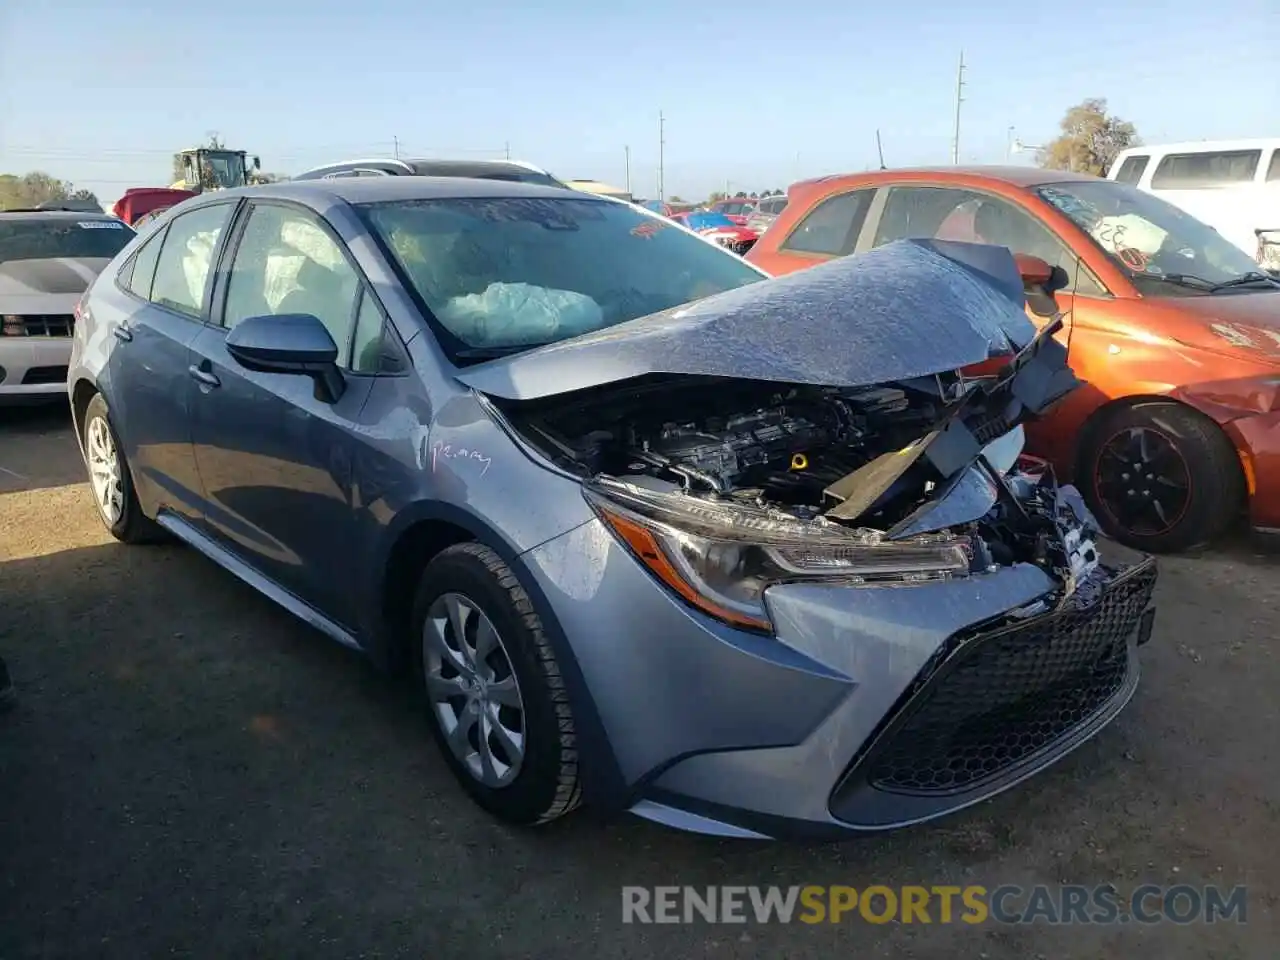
(204, 376)
(122, 333)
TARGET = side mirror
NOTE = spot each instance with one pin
(257, 163)
(1041, 281)
(296, 343)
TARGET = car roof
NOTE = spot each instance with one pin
(379, 189)
(56, 215)
(1016, 176)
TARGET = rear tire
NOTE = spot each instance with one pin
(1161, 477)
(110, 480)
(492, 686)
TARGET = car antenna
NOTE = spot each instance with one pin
(880, 150)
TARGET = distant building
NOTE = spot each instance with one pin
(601, 189)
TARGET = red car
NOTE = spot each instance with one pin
(735, 208)
(720, 228)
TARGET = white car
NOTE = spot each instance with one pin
(48, 258)
(1232, 185)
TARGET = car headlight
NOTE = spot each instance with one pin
(720, 557)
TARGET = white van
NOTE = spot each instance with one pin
(1232, 185)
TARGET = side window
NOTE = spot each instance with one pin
(366, 347)
(1273, 171)
(831, 228)
(947, 214)
(1191, 171)
(1132, 169)
(287, 263)
(182, 271)
(144, 267)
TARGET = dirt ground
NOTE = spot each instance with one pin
(190, 772)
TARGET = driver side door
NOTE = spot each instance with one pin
(275, 460)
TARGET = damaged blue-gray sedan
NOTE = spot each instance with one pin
(649, 530)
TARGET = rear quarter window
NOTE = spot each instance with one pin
(831, 228)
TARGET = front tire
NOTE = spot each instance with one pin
(496, 699)
(110, 480)
(1161, 477)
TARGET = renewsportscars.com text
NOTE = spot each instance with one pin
(1007, 904)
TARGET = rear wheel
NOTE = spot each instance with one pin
(110, 480)
(1161, 477)
(496, 699)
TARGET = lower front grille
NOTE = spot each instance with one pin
(995, 698)
(39, 325)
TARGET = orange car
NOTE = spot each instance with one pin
(1175, 331)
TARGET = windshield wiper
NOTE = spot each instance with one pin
(1183, 280)
(1253, 276)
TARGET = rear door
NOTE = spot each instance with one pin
(167, 285)
(275, 461)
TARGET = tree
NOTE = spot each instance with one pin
(1090, 139)
(32, 189)
(675, 199)
(718, 195)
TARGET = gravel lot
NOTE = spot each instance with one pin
(190, 772)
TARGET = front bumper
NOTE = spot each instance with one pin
(1257, 438)
(873, 708)
(33, 367)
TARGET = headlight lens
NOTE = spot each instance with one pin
(720, 557)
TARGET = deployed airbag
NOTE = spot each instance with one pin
(514, 313)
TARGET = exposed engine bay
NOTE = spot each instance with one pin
(903, 460)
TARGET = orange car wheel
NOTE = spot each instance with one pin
(1161, 477)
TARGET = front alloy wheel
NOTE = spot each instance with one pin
(473, 690)
(496, 698)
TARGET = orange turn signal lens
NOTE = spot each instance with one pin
(646, 548)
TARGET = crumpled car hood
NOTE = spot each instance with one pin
(908, 309)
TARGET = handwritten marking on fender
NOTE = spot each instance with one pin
(447, 451)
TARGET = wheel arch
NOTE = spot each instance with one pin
(419, 533)
(81, 395)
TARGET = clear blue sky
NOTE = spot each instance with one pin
(101, 92)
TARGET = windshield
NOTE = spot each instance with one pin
(222, 169)
(512, 273)
(42, 239)
(1149, 238)
(735, 207)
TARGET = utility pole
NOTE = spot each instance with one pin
(395, 147)
(508, 149)
(662, 145)
(955, 144)
(628, 153)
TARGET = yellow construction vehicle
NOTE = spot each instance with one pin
(213, 168)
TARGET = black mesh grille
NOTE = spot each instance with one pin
(1005, 695)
